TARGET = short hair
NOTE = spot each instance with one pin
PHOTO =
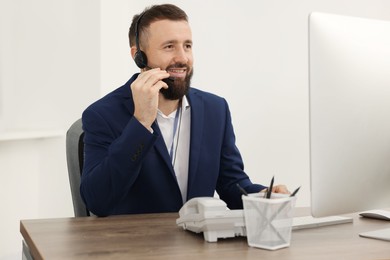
(152, 14)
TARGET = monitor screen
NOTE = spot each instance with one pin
(349, 93)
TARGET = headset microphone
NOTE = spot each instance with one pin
(166, 80)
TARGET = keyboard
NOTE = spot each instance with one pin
(311, 222)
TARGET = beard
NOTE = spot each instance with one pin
(177, 87)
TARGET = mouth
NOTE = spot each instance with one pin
(177, 72)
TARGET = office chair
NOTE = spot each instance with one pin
(75, 160)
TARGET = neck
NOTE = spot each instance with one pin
(167, 106)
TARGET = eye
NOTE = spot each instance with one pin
(169, 46)
(188, 46)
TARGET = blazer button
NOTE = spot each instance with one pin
(138, 152)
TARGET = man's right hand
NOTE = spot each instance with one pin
(146, 89)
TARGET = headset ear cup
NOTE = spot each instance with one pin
(140, 59)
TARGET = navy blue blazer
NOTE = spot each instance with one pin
(128, 170)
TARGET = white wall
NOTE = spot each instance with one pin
(49, 72)
(57, 56)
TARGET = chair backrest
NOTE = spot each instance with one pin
(75, 159)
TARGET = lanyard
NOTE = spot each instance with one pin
(175, 124)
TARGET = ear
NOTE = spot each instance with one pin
(133, 50)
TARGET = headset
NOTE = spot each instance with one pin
(141, 60)
(139, 57)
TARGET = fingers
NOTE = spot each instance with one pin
(151, 80)
(280, 189)
(145, 91)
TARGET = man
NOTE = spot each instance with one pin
(155, 143)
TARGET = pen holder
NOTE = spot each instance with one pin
(268, 221)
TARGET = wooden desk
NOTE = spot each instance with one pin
(156, 236)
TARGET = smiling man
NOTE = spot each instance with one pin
(156, 142)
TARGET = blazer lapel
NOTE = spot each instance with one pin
(197, 121)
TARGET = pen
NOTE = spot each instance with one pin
(269, 191)
(295, 192)
(242, 190)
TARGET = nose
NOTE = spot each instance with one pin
(182, 55)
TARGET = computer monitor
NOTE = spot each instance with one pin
(349, 89)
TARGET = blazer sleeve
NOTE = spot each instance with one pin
(112, 160)
(232, 169)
